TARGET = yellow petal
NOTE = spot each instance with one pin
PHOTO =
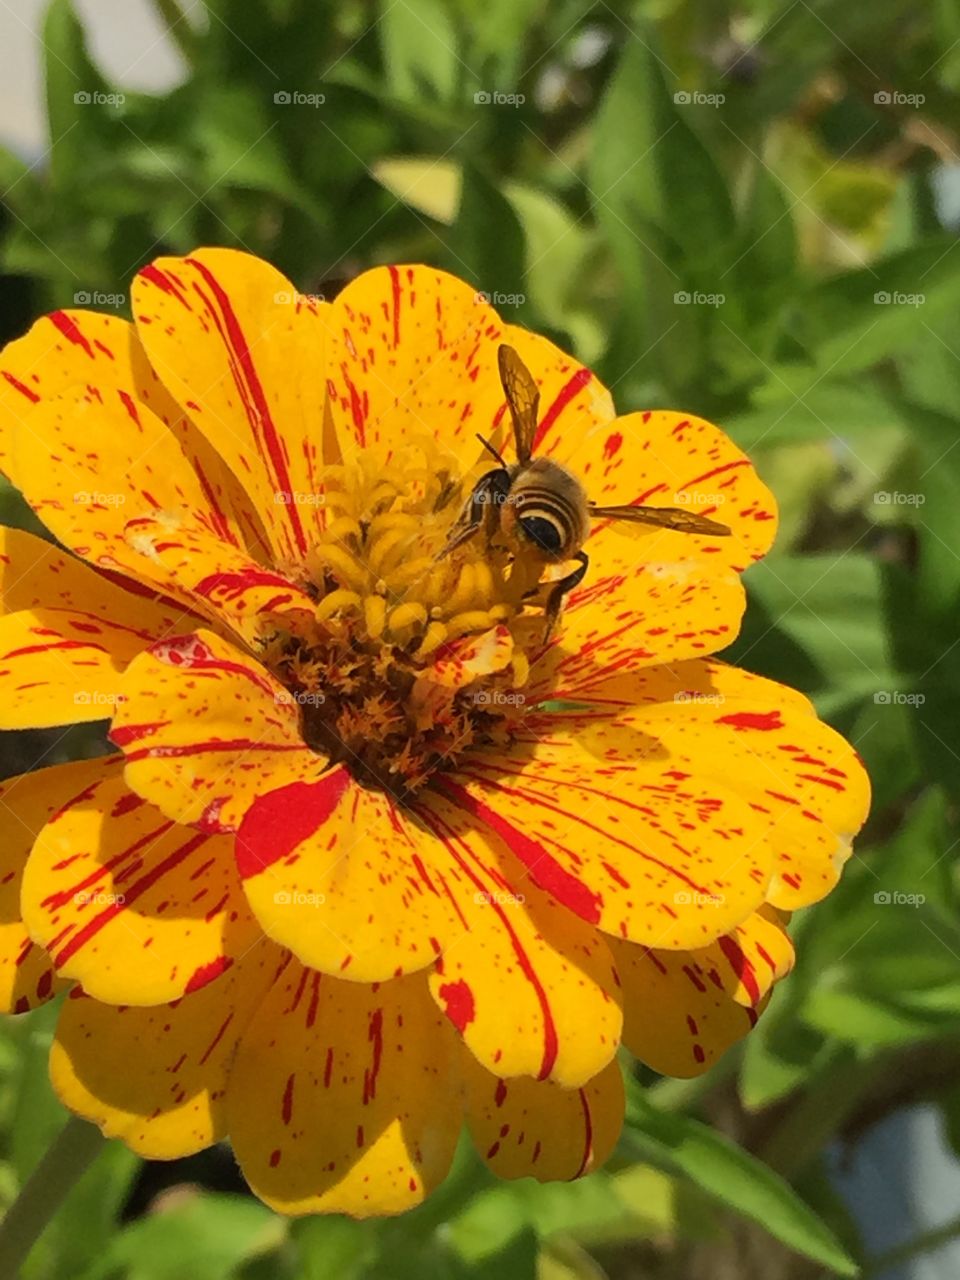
(243, 353)
(70, 348)
(206, 730)
(342, 1099)
(530, 986)
(156, 1078)
(684, 1009)
(533, 1128)
(137, 909)
(27, 977)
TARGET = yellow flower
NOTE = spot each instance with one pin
(373, 854)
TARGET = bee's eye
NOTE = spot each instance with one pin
(543, 532)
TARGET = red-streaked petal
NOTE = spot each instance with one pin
(27, 977)
(206, 730)
(86, 348)
(644, 856)
(533, 1128)
(59, 667)
(243, 355)
(157, 1078)
(343, 1097)
(530, 986)
(127, 903)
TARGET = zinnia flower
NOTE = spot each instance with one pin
(372, 855)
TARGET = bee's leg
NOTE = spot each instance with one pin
(489, 490)
(560, 589)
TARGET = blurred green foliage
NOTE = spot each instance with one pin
(747, 211)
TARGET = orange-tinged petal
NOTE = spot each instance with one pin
(86, 348)
(222, 578)
(530, 986)
(157, 1078)
(342, 1099)
(803, 782)
(407, 341)
(206, 730)
(534, 1128)
(684, 1009)
(665, 459)
(338, 873)
(60, 667)
(135, 908)
(664, 861)
(243, 354)
(37, 574)
(114, 461)
(27, 976)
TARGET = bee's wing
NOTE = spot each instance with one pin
(664, 518)
(522, 397)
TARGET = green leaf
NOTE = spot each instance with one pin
(419, 49)
(691, 1150)
(487, 245)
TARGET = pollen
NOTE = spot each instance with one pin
(414, 655)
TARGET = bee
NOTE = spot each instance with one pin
(538, 506)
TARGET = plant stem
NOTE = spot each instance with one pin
(64, 1162)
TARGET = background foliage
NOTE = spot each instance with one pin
(748, 211)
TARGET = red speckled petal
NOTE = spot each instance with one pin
(27, 978)
(684, 1009)
(340, 875)
(86, 348)
(529, 985)
(60, 667)
(413, 357)
(156, 1078)
(343, 1098)
(607, 829)
(224, 582)
(206, 730)
(137, 909)
(532, 1128)
(715, 723)
(243, 354)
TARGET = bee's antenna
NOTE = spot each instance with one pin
(490, 449)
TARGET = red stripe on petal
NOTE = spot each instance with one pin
(283, 819)
(567, 392)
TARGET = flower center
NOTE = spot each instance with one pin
(415, 655)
